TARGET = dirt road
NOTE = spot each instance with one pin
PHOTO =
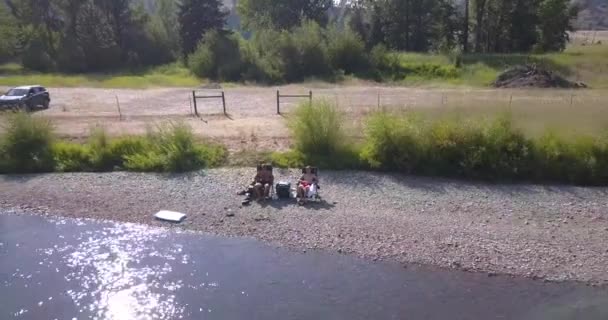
(252, 116)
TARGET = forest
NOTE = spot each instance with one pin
(272, 40)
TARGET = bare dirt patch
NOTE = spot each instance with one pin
(252, 121)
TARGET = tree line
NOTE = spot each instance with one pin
(102, 35)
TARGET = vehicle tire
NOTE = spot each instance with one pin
(46, 103)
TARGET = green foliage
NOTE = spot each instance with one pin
(218, 57)
(319, 139)
(481, 150)
(415, 25)
(282, 14)
(317, 128)
(9, 34)
(555, 18)
(172, 148)
(346, 51)
(71, 157)
(280, 56)
(26, 144)
(196, 18)
(36, 56)
(311, 57)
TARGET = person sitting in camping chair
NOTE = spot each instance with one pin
(308, 185)
(261, 186)
(263, 181)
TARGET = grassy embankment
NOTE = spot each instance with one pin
(491, 149)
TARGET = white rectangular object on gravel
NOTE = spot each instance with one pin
(170, 216)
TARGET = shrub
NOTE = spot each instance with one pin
(581, 161)
(71, 157)
(393, 143)
(383, 62)
(26, 144)
(317, 128)
(346, 51)
(101, 158)
(172, 148)
(267, 57)
(218, 57)
(311, 58)
(319, 139)
(481, 150)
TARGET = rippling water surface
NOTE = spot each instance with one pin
(76, 269)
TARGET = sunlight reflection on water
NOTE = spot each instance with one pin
(109, 267)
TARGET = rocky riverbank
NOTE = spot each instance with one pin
(548, 232)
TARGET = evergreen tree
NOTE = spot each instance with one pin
(196, 17)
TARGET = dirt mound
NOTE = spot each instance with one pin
(535, 77)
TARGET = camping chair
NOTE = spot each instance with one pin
(313, 195)
(250, 189)
(268, 167)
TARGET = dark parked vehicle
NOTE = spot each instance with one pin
(25, 98)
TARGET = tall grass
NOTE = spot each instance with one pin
(319, 137)
(172, 147)
(28, 145)
(478, 149)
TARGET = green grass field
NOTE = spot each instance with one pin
(172, 75)
(586, 63)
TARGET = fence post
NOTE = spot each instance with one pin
(571, 99)
(278, 102)
(224, 102)
(194, 100)
(378, 100)
(118, 106)
(310, 97)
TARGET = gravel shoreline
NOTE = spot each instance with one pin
(555, 233)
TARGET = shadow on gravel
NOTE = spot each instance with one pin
(280, 204)
(363, 180)
(183, 176)
(21, 178)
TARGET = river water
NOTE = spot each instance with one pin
(55, 268)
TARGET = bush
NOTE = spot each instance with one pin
(172, 148)
(317, 128)
(218, 57)
(393, 143)
(101, 158)
(383, 62)
(346, 51)
(26, 144)
(281, 56)
(312, 56)
(71, 157)
(481, 150)
(319, 139)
